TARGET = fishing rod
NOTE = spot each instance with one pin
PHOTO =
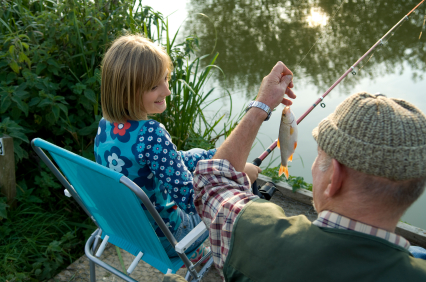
(258, 161)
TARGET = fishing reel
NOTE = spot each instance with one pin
(266, 191)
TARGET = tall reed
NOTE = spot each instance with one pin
(184, 117)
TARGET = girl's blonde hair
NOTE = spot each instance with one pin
(132, 66)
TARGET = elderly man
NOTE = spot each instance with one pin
(371, 166)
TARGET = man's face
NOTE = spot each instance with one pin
(321, 175)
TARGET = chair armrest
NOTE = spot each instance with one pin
(187, 241)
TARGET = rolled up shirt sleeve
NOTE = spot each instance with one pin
(221, 192)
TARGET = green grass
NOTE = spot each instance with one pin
(36, 243)
(296, 182)
(39, 238)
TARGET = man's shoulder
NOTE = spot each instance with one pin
(259, 209)
(418, 264)
(268, 220)
(291, 245)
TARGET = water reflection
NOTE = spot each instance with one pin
(317, 18)
(253, 35)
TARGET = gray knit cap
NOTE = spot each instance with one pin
(376, 135)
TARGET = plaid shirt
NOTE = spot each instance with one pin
(221, 192)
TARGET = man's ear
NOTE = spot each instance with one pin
(336, 179)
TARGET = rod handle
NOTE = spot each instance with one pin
(257, 162)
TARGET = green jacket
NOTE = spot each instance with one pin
(268, 246)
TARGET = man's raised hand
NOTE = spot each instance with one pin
(277, 83)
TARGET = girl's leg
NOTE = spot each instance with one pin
(188, 223)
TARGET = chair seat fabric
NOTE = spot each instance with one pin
(114, 206)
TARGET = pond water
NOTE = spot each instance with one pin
(318, 41)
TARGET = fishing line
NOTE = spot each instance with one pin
(259, 160)
(382, 43)
(321, 35)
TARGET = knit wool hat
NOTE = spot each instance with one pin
(376, 135)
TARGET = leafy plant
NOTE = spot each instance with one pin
(17, 132)
(296, 182)
(50, 55)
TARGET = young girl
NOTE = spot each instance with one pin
(135, 75)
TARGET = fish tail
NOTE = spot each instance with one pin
(283, 169)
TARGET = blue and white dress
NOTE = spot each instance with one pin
(144, 152)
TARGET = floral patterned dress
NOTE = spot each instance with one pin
(143, 151)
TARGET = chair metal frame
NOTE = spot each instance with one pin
(93, 241)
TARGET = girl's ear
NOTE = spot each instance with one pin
(336, 179)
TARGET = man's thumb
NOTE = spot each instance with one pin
(287, 79)
(277, 70)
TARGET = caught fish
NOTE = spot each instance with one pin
(287, 139)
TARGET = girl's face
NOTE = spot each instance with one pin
(154, 101)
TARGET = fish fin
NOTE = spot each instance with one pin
(290, 159)
(295, 145)
(291, 130)
(283, 169)
(278, 143)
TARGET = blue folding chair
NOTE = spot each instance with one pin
(111, 201)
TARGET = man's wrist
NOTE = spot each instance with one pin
(260, 105)
(257, 114)
(237, 146)
(264, 101)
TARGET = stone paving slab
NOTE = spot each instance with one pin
(79, 270)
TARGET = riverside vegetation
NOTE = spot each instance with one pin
(50, 54)
(296, 182)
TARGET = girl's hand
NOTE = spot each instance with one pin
(252, 171)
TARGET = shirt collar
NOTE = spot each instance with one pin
(334, 220)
